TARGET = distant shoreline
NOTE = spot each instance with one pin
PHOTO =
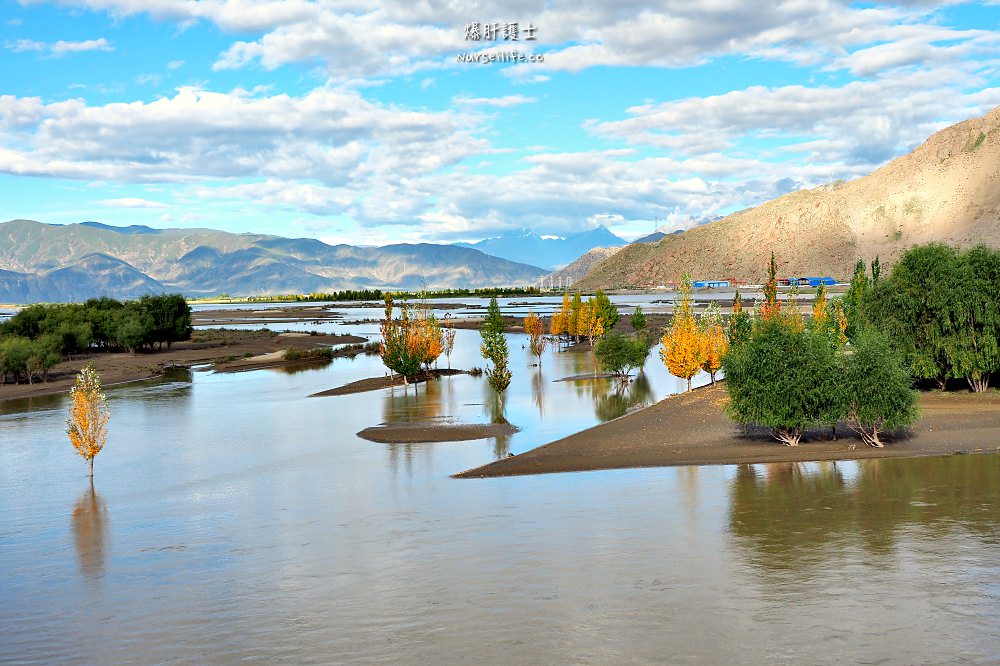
(692, 429)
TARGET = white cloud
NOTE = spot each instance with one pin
(354, 38)
(332, 136)
(131, 202)
(175, 64)
(498, 102)
(61, 47)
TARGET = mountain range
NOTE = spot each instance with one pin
(549, 252)
(947, 190)
(50, 262)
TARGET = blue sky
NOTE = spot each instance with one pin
(354, 121)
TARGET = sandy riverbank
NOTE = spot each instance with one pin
(692, 429)
(385, 381)
(229, 350)
(414, 433)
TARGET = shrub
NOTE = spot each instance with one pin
(877, 387)
(785, 380)
(620, 354)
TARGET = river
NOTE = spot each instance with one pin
(234, 519)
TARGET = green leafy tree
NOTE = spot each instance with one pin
(494, 348)
(605, 310)
(740, 323)
(877, 387)
(856, 300)
(974, 354)
(876, 270)
(620, 354)
(638, 319)
(785, 380)
(918, 306)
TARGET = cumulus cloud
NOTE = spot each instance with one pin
(332, 136)
(861, 121)
(353, 38)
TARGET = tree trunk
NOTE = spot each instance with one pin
(789, 437)
(91, 461)
(942, 382)
(979, 384)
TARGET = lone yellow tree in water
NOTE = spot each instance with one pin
(87, 425)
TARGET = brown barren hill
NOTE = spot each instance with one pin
(946, 190)
(578, 269)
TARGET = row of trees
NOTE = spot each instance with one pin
(692, 343)
(39, 336)
(789, 375)
(579, 319)
(941, 309)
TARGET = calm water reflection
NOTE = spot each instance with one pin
(235, 519)
(90, 526)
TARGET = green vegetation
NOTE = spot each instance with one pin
(620, 354)
(319, 354)
(604, 310)
(877, 389)
(785, 379)
(494, 348)
(939, 307)
(973, 145)
(379, 294)
(638, 319)
(39, 336)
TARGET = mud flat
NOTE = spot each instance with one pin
(692, 429)
(412, 433)
(246, 350)
(377, 383)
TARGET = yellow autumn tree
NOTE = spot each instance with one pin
(431, 338)
(560, 318)
(536, 338)
(792, 315)
(820, 315)
(87, 425)
(716, 341)
(683, 348)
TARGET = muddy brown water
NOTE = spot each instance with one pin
(233, 519)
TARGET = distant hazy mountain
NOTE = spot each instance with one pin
(545, 251)
(650, 238)
(49, 262)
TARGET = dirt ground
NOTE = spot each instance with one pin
(692, 429)
(229, 349)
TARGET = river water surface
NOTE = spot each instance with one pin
(234, 519)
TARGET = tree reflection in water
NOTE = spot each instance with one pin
(538, 391)
(90, 524)
(618, 397)
(496, 410)
(791, 516)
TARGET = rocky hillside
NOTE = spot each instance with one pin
(579, 268)
(947, 190)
